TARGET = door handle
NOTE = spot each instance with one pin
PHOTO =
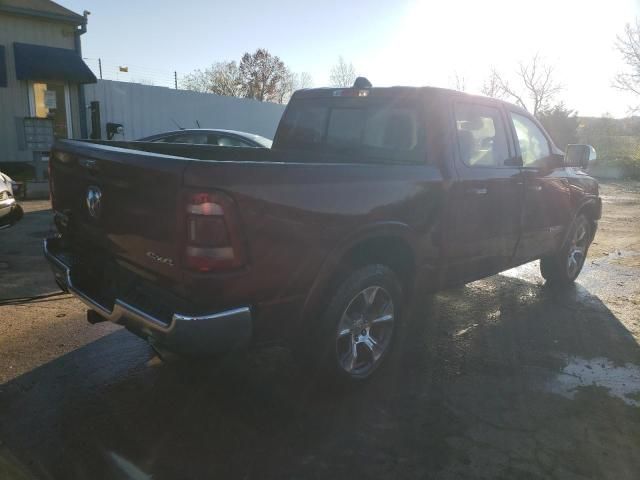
(477, 191)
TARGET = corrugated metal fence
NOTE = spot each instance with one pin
(145, 110)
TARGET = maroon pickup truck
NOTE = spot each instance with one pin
(367, 195)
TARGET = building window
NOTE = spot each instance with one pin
(3, 67)
(51, 100)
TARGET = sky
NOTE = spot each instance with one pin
(398, 42)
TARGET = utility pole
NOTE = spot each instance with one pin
(100, 67)
(175, 79)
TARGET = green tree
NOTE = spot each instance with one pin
(561, 123)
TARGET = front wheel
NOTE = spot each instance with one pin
(564, 267)
(356, 331)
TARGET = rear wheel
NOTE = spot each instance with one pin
(357, 329)
(564, 267)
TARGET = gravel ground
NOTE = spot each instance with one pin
(498, 379)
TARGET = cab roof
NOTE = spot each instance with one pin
(400, 91)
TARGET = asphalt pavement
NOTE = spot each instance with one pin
(498, 379)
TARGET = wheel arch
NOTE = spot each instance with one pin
(390, 243)
(590, 208)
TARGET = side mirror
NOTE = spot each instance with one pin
(579, 156)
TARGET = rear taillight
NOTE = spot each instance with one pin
(212, 232)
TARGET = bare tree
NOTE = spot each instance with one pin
(342, 74)
(628, 44)
(292, 81)
(222, 78)
(459, 82)
(259, 75)
(536, 88)
(286, 87)
(226, 79)
(304, 80)
(491, 86)
(262, 75)
(195, 81)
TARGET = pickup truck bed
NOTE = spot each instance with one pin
(295, 216)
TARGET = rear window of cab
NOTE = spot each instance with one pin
(362, 130)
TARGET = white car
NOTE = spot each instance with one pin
(10, 210)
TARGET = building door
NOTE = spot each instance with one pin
(51, 100)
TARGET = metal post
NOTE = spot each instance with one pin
(95, 121)
(81, 96)
(100, 67)
(175, 79)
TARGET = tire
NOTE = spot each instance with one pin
(561, 270)
(355, 334)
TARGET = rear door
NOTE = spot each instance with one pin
(547, 208)
(484, 214)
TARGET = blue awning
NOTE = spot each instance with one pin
(37, 62)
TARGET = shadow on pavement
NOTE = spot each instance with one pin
(467, 396)
(23, 269)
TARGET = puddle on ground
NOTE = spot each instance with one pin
(621, 382)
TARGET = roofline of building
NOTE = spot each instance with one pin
(73, 19)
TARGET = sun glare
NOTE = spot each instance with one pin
(435, 41)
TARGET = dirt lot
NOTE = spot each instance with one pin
(500, 378)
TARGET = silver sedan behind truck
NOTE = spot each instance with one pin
(10, 210)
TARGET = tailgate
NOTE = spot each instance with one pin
(121, 203)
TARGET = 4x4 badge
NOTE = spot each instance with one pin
(165, 260)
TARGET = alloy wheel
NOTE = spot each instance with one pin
(364, 331)
(577, 250)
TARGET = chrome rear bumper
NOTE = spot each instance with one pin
(188, 334)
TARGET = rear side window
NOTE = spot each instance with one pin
(365, 132)
(393, 128)
(482, 139)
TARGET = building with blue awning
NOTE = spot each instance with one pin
(41, 78)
